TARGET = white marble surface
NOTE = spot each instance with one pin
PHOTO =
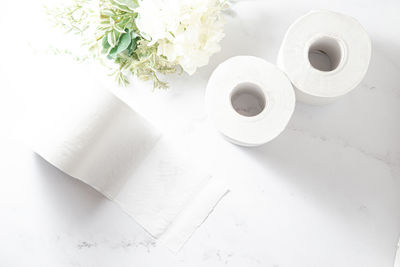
(324, 193)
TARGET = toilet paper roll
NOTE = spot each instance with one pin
(325, 55)
(249, 100)
(93, 136)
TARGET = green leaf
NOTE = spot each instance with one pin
(122, 8)
(118, 28)
(124, 42)
(108, 12)
(132, 46)
(112, 38)
(105, 43)
(106, 28)
(145, 36)
(132, 4)
(109, 50)
(134, 35)
(124, 23)
(112, 53)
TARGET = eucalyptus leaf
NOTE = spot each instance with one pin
(109, 50)
(105, 43)
(122, 8)
(132, 4)
(105, 28)
(124, 42)
(108, 12)
(112, 38)
(132, 46)
(112, 53)
(118, 28)
(134, 35)
(145, 36)
(104, 20)
(124, 23)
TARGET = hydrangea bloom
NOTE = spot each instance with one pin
(187, 32)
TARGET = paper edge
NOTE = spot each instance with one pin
(397, 255)
(204, 201)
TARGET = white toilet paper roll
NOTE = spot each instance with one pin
(93, 136)
(249, 100)
(325, 55)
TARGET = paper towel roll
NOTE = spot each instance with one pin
(325, 55)
(93, 136)
(249, 100)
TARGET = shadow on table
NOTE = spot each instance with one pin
(73, 199)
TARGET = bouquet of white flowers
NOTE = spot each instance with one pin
(146, 37)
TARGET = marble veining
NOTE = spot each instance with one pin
(326, 192)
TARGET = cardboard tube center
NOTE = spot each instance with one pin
(325, 54)
(248, 99)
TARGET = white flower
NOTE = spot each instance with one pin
(187, 31)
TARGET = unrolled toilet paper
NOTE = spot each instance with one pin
(325, 55)
(249, 100)
(93, 136)
(397, 257)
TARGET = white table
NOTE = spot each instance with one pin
(324, 193)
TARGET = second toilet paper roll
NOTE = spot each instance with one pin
(249, 100)
(325, 55)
